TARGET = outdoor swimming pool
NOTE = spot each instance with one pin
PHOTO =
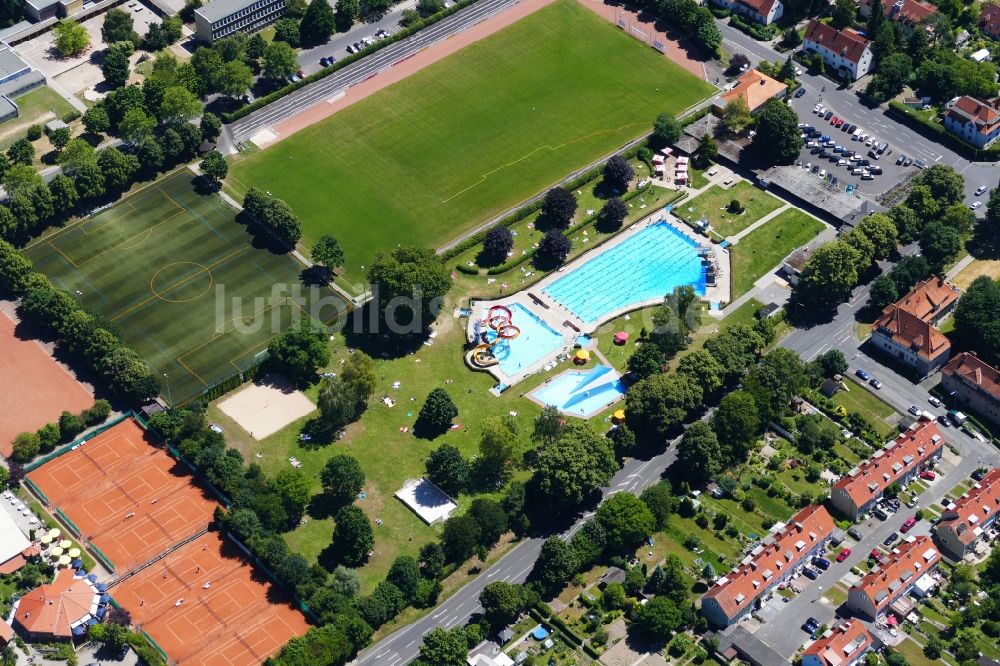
(536, 341)
(582, 392)
(647, 265)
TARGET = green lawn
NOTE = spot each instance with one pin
(713, 202)
(472, 135)
(181, 278)
(858, 399)
(36, 107)
(762, 249)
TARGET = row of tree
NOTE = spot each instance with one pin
(27, 445)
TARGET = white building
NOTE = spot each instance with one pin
(844, 51)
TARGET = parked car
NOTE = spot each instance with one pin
(821, 562)
(934, 401)
(980, 190)
(867, 176)
(827, 115)
(976, 205)
(920, 164)
(908, 524)
(855, 533)
(876, 384)
(833, 121)
(900, 158)
(810, 626)
(862, 374)
(800, 92)
(979, 474)
(881, 514)
(913, 409)
(891, 539)
(875, 170)
(944, 421)
(822, 173)
(908, 161)
(809, 573)
(844, 554)
(874, 555)
(927, 475)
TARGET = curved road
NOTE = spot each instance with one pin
(361, 70)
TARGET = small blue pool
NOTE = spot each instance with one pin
(582, 392)
(536, 341)
(647, 265)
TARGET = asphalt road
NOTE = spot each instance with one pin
(404, 645)
(356, 72)
(337, 46)
(845, 104)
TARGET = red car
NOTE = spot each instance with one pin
(844, 554)
(874, 555)
(908, 525)
(927, 474)
(839, 123)
(833, 121)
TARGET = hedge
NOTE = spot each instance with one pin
(261, 102)
(761, 33)
(937, 132)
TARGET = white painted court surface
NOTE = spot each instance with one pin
(426, 500)
(266, 406)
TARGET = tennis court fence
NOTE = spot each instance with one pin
(38, 462)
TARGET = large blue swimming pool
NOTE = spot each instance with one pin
(537, 340)
(582, 392)
(647, 265)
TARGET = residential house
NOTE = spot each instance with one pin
(222, 18)
(755, 88)
(906, 329)
(907, 13)
(974, 383)
(844, 51)
(974, 121)
(899, 462)
(989, 19)
(965, 520)
(56, 610)
(771, 562)
(758, 11)
(844, 645)
(878, 589)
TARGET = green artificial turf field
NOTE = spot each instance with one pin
(179, 276)
(471, 135)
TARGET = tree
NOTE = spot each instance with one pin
(816, 433)
(444, 647)
(947, 186)
(118, 168)
(415, 274)
(502, 602)
(556, 563)
(89, 181)
(347, 13)
(976, 317)
(844, 12)
(646, 361)
(271, 214)
(286, 31)
(300, 351)
(448, 469)
(626, 520)
(736, 117)
(179, 105)
(939, 244)
(498, 243)
(553, 248)
(64, 195)
(96, 120)
(234, 78)
(548, 426)
(150, 155)
(701, 366)
(214, 166)
(279, 61)
(499, 447)
(832, 362)
(777, 140)
(437, 413)
(589, 543)
(921, 200)
(491, 519)
(115, 66)
(992, 218)
(959, 217)
(352, 536)
(881, 231)
(829, 275)
(21, 152)
(59, 137)
(737, 424)
(660, 618)
(666, 128)
(318, 23)
(613, 214)
(883, 292)
(118, 27)
(405, 574)
(893, 74)
(71, 38)
(431, 560)
(210, 126)
(342, 478)
(136, 125)
(558, 208)
(460, 538)
(327, 251)
(699, 453)
(572, 467)
(661, 502)
(26, 446)
(908, 223)
(738, 64)
(656, 404)
(618, 173)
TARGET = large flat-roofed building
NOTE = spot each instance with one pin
(907, 331)
(974, 383)
(844, 645)
(900, 461)
(16, 78)
(222, 18)
(874, 593)
(737, 593)
(41, 10)
(966, 519)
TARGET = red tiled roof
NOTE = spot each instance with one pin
(971, 110)
(910, 12)
(989, 19)
(929, 298)
(846, 42)
(911, 332)
(978, 505)
(761, 7)
(738, 588)
(888, 465)
(975, 371)
(847, 641)
(904, 565)
(755, 89)
(13, 564)
(51, 609)
(6, 632)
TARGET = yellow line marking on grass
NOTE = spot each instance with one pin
(221, 333)
(178, 359)
(483, 178)
(149, 234)
(115, 219)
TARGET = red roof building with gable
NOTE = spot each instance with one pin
(844, 645)
(906, 329)
(873, 594)
(845, 51)
(973, 382)
(966, 519)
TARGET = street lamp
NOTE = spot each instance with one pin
(170, 398)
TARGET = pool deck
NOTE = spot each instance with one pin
(560, 319)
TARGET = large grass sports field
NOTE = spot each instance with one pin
(182, 280)
(471, 135)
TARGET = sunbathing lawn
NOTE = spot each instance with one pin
(712, 204)
(763, 249)
(861, 400)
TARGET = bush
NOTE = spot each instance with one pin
(100, 411)
(735, 207)
(34, 133)
(26, 447)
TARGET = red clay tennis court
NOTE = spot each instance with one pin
(130, 500)
(203, 604)
(44, 388)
